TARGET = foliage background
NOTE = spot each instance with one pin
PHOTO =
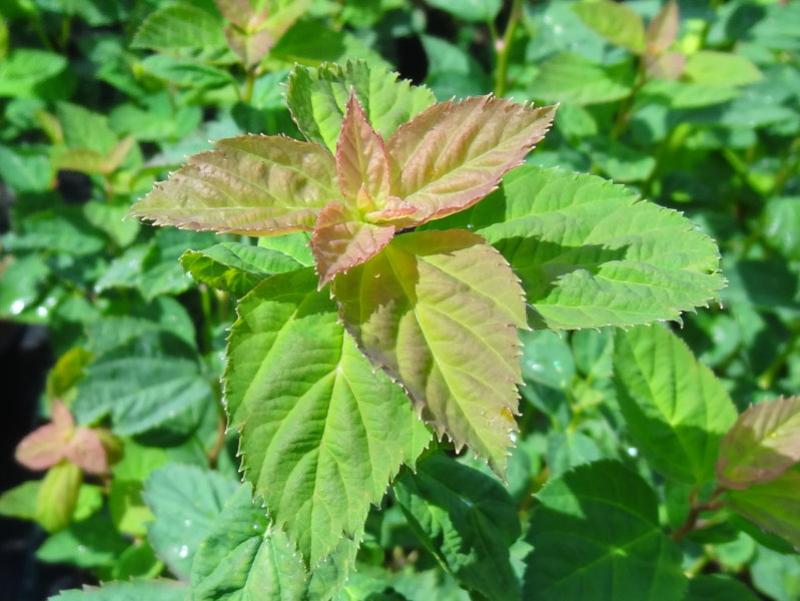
(96, 107)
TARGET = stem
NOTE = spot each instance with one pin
(219, 444)
(249, 83)
(767, 377)
(691, 521)
(624, 113)
(503, 48)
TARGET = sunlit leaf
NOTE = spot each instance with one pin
(317, 99)
(591, 253)
(136, 590)
(439, 311)
(252, 185)
(675, 407)
(573, 78)
(616, 22)
(453, 154)
(321, 431)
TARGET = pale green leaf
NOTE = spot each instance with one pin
(23, 72)
(713, 68)
(180, 27)
(675, 408)
(58, 496)
(20, 501)
(773, 506)
(591, 253)
(467, 520)
(762, 444)
(252, 185)
(186, 502)
(317, 99)
(439, 311)
(235, 267)
(322, 432)
(596, 532)
(453, 154)
(479, 11)
(616, 22)
(572, 78)
(136, 590)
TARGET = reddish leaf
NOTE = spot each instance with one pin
(762, 444)
(453, 154)
(341, 242)
(47, 445)
(663, 29)
(252, 185)
(86, 450)
(362, 165)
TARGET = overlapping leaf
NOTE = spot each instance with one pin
(252, 185)
(454, 154)
(136, 590)
(439, 311)
(591, 254)
(763, 443)
(318, 97)
(675, 408)
(321, 432)
(467, 520)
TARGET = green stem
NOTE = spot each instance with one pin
(624, 113)
(503, 48)
(249, 83)
(767, 377)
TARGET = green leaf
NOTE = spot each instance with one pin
(244, 557)
(675, 408)
(58, 496)
(235, 267)
(321, 432)
(136, 590)
(773, 506)
(180, 27)
(25, 169)
(596, 529)
(572, 78)
(84, 129)
(186, 502)
(713, 68)
(89, 543)
(479, 11)
(20, 501)
(453, 154)
(782, 225)
(186, 72)
(24, 72)
(253, 185)
(718, 588)
(762, 444)
(317, 99)
(59, 230)
(453, 72)
(591, 253)
(616, 22)
(150, 382)
(467, 520)
(439, 311)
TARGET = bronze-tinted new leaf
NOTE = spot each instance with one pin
(340, 241)
(453, 154)
(663, 29)
(254, 185)
(362, 165)
(762, 444)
